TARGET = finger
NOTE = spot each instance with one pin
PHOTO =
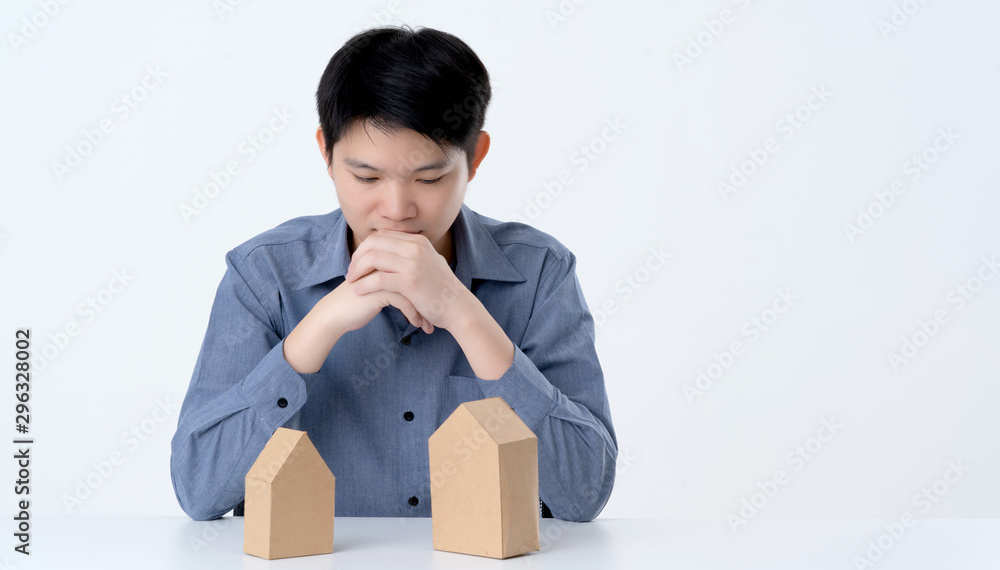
(401, 244)
(424, 325)
(378, 280)
(376, 260)
(406, 307)
(403, 236)
(384, 240)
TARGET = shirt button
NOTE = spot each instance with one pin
(406, 341)
(282, 402)
(413, 501)
(408, 416)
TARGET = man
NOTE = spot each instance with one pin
(368, 326)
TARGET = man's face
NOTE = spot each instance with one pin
(400, 181)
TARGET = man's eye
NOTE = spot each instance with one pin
(364, 180)
(431, 181)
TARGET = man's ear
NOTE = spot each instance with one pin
(482, 147)
(322, 150)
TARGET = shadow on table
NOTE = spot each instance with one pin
(209, 540)
(561, 542)
(587, 543)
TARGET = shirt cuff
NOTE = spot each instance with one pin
(524, 388)
(274, 390)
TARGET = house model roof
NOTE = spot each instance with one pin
(287, 448)
(496, 418)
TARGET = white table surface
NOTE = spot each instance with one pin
(370, 543)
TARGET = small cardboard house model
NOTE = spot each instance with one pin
(484, 482)
(288, 509)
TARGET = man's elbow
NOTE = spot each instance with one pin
(588, 504)
(193, 501)
(200, 512)
(588, 512)
(581, 513)
(195, 508)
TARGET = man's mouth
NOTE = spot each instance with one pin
(400, 230)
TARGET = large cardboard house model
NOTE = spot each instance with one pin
(484, 482)
(289, 500)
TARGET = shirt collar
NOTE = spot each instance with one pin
(477, 254)
(332, 257)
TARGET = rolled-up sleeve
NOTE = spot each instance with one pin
(241, 391)
(556, 386)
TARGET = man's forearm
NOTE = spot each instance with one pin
(307, 346)
(484, 342)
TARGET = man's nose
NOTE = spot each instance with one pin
(397, 204)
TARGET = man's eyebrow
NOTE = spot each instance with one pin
(361, 164)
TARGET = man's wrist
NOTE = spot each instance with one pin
(486, 346)
(307, 346)
(469, 314)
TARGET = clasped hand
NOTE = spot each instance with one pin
(404, 270)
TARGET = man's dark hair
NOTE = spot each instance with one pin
(397, 78)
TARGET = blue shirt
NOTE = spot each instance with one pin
(387, 386)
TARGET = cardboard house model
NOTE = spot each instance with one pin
(288, 509)
(484, 482)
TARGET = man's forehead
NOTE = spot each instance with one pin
(401, 150)
(432, 165)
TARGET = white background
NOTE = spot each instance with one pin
(556, 84)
